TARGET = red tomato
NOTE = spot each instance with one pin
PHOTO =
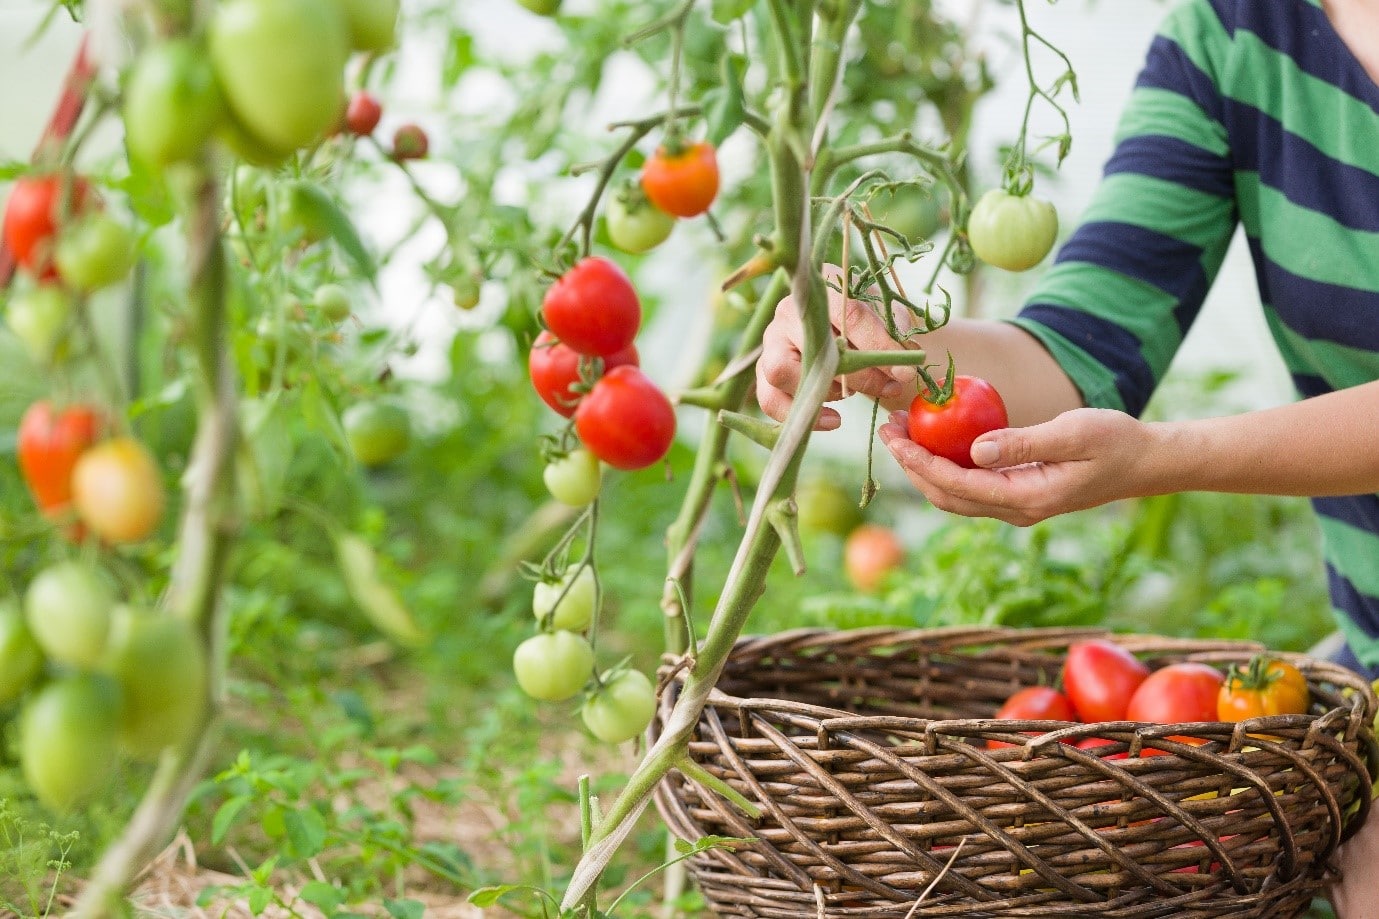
(1090, 743)
(555, 369)
(870, 552)
(1177, 693)
(625, 420)
(1099, 678)
(1034, 703)
(948, 428)
(593, 308)
(38, 205)
(410, 143)
(682, 184)
(363, 114)
(49, 444)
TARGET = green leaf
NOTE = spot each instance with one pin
(485, 897)
(404, 909)
(259, 898)
(311, 210)
(226, 815)
(724, 106)
(306, 831)
(324, 895)
(726, 11)
(359, 565)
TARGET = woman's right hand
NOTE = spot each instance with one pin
(779, 369)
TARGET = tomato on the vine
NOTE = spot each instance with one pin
(826, 507)
(21, 658)
(1267, 686)
(68, 609)
(363, 114)
(684, 182)
(553, 666)
(1012, 232)
(870, 553)
(634, 223)
(574, 478)
(50, 441)
(621, 708)
(372, 24)
(410, 142)
(378, 431)
(333, 301)
(171, 102)
(37, 207)
(118, 491)
(160, 666)
(39, 317)
(67, 743)
(625, 420)
(1178, 693)
(593, 308)
(95, 251)
(575, 610)
(554, 368)
(947, 424)
(1034, 703)
(1100, 677)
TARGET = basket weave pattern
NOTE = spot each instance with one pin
(867, 752)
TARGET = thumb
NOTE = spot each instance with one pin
(1050, 442)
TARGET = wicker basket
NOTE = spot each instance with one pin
(866, 751)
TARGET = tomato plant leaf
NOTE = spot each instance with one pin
(306, 831)
(485, 897)
(724, 106)
(324, 895)
(726, 11)
(226, 815)
(404, 909)
(359, 565)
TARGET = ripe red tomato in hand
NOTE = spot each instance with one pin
(50, 442)
(684, 183)
(1100, 678)
(869, 554)
(625, 420)
(554, 370)
(363, 114)
(593, 308)
(1184, 692)
(1034, 703)
(949, 427)
(38, 205)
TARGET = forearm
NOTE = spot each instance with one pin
(1327, 445)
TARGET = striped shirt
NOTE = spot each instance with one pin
(1249, 111)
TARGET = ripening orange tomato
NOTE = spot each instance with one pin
(1264, 687)
(118, 491)
(683, 183)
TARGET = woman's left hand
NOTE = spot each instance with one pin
(1081, 459)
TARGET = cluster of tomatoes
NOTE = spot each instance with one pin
(680, 180)
(1104, 682)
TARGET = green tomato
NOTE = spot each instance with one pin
(39, 317)
(160, 665)
(634, 223)
(95, 252)
(21, 659)
(826, 507)
(372, 23)
(280, 65)
(172, 104)
(68, 609)
(333, 301)
(622, 708)
(911, 211)
(574, 479)
(542, 7)
(378, 431)
(553, 666)
(1014, 233)
(466, 288)
(67, 744)
(575, 610)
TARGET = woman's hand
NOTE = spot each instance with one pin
(1080, 459)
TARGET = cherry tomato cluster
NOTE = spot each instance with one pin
(97, 679)
(678, 181)
(1103, 682)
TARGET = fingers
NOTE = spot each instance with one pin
(1061, 440)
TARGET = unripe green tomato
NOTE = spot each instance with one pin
(634, 223)
(171, 103)
(38, 317)
(160, 665)
(280, 65)
(249, 148)
(825, 507)
(1014, 233)
(378, 431)
(575, 610)
(67, 743)
(542, 7)
(333, 301)
(574, 479)
(622, 708)
(68, 609)
(553, 666)
(372, 23)
(94, 252)
(466, 287)
(21, 659)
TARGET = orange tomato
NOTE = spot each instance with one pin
(682, 183)
(118, 491)
(1264, 687)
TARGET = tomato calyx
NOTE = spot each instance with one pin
(934, 393)
(1258, 674)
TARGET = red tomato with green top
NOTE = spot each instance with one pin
(1099, 678)
(947, 428)
(682, 183)
(593, 308)
(37, 207)
(625, 420)
(1034, 703)
(554, 370)
(50, 442)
